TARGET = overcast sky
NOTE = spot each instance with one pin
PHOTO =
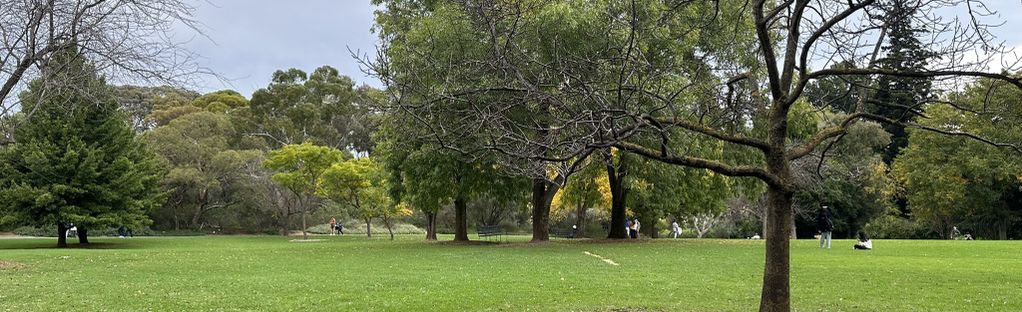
(253, 38)
(249, 39)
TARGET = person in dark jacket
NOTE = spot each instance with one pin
(825, 225)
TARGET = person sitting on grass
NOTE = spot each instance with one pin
(864, 243)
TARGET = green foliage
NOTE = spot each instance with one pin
(891, 226)
(207, 174)
(78, 160)
(954, 180)
(323, 108)
(360, 185)
(299, 166)
(358, 227)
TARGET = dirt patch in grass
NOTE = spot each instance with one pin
(11, 265)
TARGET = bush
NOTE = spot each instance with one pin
(356, 227)
(50, 231)
(886, 227)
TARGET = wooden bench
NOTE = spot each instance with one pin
(490, 230)
(565, 233)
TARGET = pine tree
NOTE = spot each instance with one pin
(901, 98)
(77, 161)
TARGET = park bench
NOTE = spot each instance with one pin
(489, 231)
(565, 233)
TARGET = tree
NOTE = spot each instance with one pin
(299, 167)
(954, 181)
(589, 189)
(206, 173)
(901, 98)
(78, 161)
(140, 102)
(360, 184)
(324, 108)
(630, 74)
(131, 40)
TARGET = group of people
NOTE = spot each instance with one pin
(632, 228)
(825, 226)
(335, 227)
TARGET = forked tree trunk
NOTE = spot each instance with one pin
(83, 235)
(540, 210)
(390, 227)
(61, 235)
(430, 226)
(460, 219)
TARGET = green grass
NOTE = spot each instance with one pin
(355, 274)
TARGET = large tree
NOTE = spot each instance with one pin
(592, 75)
(323, 107)
(78, 161)
(955, 181)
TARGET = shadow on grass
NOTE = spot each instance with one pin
(38, 244)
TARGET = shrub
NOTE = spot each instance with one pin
(357, 227)
(888, 226)
(50, 231)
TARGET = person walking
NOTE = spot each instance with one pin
(675, 229)
(635, 228)
(333, 225)
(628, 228)
(825, 225)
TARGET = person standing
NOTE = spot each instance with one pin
(825, 225)
(635, 228)
(628, 228)
(333, 225)
(675, 229)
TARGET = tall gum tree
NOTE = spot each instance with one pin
(587, 75)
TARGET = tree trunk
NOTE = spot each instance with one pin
(390, 228)
(369, 228)
(653, 233)
(776, 292)
(580, 220)
(460, 219)
(1002, 229)
(61, 235)
(618, 195)
(83, 235)
(794, 235)
(430, 226)
(540, 211)
(304, 234)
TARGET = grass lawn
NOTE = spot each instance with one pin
(352, 273)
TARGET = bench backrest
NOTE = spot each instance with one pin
(488, 229)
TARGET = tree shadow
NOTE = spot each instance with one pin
(37, 244)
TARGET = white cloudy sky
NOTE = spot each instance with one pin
(249, 39)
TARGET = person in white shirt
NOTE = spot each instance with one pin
(864, 243)
(675, 229)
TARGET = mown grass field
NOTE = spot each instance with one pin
(352, 273)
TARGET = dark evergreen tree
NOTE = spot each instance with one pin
(78, 161)
(901, 98)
